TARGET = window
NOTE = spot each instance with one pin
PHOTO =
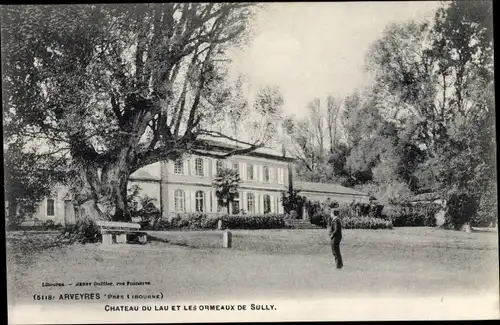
(178, 167)
(250, 172)
(235, 166)
(179, 200)
(266, 174)
(250, 203)
(200, 201)
(281, 176)
(267, 204)
(198, 163)
(50, 207)
(236, 204)
(218, 166)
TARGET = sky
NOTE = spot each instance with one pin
(314, 49)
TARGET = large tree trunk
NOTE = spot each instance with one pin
(115, 192)
(105, 197)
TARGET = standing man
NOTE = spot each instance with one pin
(335, 233)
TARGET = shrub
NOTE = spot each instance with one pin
(354, 209)
(319, 219)
(488, 207)
(413, 215)
(147, 215)
(83, 231)
(354, 216)
(292, 201)
(266, 221)
(352, 221)
(366, 223)
(202, 221)
(462, 208)
(51, 225)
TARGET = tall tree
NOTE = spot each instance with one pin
(122, 86)
(437, 80)
(315, 141)
(333, 106)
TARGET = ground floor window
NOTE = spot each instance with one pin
(250, 203)
(267, 203)
(179, 201)
(200, 201)
(50, 207)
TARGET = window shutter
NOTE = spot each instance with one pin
(192, 200)
(190, 166)
(243, 171)
(192, 163)
(257, 203)
(243, 201)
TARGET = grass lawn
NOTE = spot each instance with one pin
(263, 263)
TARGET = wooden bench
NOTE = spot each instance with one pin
(119, 231)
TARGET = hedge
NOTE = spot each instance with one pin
(202, 221)
(353, 222)
(355, 209)
(414, 215)
(354, 215)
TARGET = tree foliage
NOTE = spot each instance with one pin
(28, 179)
(426, 124)
(226, 184)
(120, 86)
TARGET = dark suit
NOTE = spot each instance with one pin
(335, 233)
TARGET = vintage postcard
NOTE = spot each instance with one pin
(267, 162)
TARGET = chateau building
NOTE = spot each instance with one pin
(185, 186)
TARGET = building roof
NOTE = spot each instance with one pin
(326, 188)
(143, 174)
(217, 146)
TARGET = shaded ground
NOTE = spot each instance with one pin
(193, 265)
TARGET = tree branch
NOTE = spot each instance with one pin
(229, 153)
(217, 134)
(201, 86)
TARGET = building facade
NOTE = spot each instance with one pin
(185, 186)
